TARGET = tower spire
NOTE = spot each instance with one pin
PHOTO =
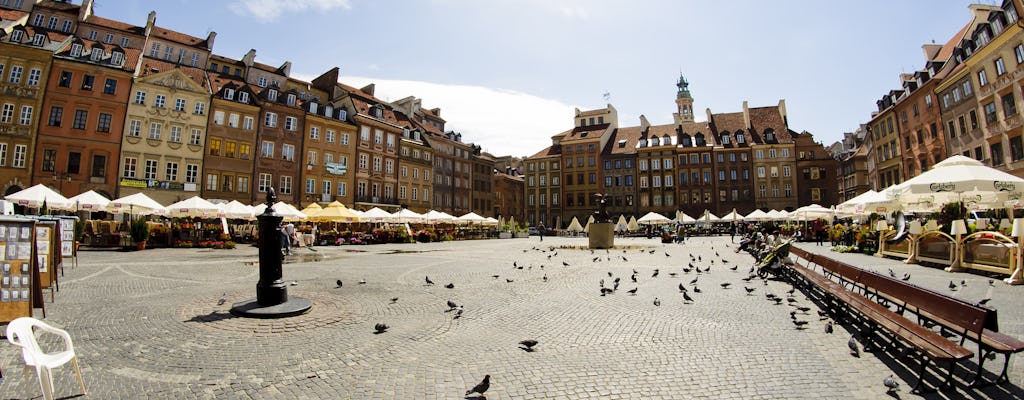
(684, 102)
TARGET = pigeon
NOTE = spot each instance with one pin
(892, 274)
(528, 344)
(429, 282)
(609, 274)
(687, 297)
(694, 281)
(804, 309)
(565, 264)
(295, 283)
(682, 289)
(509, 280)
(450, 286)
(696, 289)
(481, 387)
(906, 277)
(362, 281)
(615, 286)
(667, 255)
(458, 313)
(734, 267)
(657, 301)
(495, 276)
(991, 282)
(545, 278)
(791, 291)
(890, 384)
(799, 324)
(963, 283)
(854, 348)
(514, 265)
(984, 301)
(394, 300)
(828, 327)
(616, 280)
(632, 291)
(223, 298)
(952, 286)
(777, 300)
(656, 272)
(339, 283)
(672, 274)
(605, 291)
(633, 278)
(452, 305)
(601, 282)
(791, 300)
(380, 328)
(749, 290)
(725, 285)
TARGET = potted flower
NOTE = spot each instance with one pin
(140, 233)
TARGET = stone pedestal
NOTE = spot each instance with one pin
(602, 235)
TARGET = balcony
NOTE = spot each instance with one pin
(376, 200)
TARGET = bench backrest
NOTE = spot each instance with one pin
(947, 310)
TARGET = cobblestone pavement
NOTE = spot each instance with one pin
(147, 325)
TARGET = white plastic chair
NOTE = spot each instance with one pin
(20, 333)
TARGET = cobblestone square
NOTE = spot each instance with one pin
(147, 325)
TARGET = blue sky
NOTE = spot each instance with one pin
(508, 73)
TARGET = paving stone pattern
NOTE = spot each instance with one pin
(147, 325)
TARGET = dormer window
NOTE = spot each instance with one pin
(686, 141)
(97, 54)
(17, 35)
(328, 110)
(725, 138)
(38, 39)
(655, 141)
(769, 136)
(229, 94)
(291, 99)
(740, 139)
(243, 97)
(700, 140)
(272, 95)
(342, 115)
(312, 108)
(76, 50)
(117, 58)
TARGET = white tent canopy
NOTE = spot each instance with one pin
(733, 216)
(621, 224)
(632, 225)
(757, 215)
(35, 196)
(236, 210)
(471, 218)
(406, 215)
(289, 212)
(434, 216)
(590, 220)
(89, 201)
(948, 180)
(574, 226)
(653, 218)
(375, 215)
(708, 217)
(193, 207)
(136, 204)
(811, 212)
(682, 218)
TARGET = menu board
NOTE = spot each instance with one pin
(67, 237)
(18, 276)
(47, 246)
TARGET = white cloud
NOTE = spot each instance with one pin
(503, 122)
(270, 10)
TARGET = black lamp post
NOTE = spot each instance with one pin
(272, 299)
(60, 178)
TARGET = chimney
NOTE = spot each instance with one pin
(286, 68)
(931, 50)
(249, 58)
(209, 40)
(368, 89)
(644, 125)
(782, 112)
(436, 111)
(85, 10)
(747, 116)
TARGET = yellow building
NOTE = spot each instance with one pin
(26, 54)
(165, 129)
(885, 139)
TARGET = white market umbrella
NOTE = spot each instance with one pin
(89, 201)
(375, 215)
(575, 226)
(811, 213)
(682, 218)
(336, 212)
(732, 217)
(867, 203)
(775, 215)
(236, 210)
(590, 220)
(708, 217)
(406, 215)
(471, 218)
(435, 217)
(950, 178)
(757, 215)
(289, 212)
(193, 207)
(653, 218)
(632, 225)
(136, 204)
(35, 196)
(621, 224)
(491, 221)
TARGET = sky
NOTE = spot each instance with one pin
(508, 74)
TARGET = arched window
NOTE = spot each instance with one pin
(769, 135)
(725, 138)
(686, 140)
(740, 139)
(666, 140)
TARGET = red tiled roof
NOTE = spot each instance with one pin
(589, 132)
(151, 67)
(58, 5)
(218, 81)
(11, 15)
(179, 37)
(265, 67)
(764, 118)
(131, 56)
(225, 60)
(947, 49)
(629, 134)
(114, 24)
(727, 122)
(548, 152)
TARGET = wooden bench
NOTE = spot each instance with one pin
(931, 346)
(970, 321)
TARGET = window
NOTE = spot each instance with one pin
(49, 160)
(243, 97)
(150, 171)
(3, 154)
(990, 113)
(196, 137)
(140, 97)
(160, 101)
(1019, 53)
(721, 175)
(243, 184)
(16, 36)
(155, 129)
(1000, 67)
(760, 172)
(974, 119)
(343, 190)
(56, 113)
(179, 104)
(979, 153)
(1009, 105)
(1016, 148)
(996, 149)
(124, 42)
(80, 119)
(329, 138)
(261, 82)
(267, 149)
(117, 58)
(103, 123)
(786, 171)
(130, 163)
(378, 136)
(195, 60)
(15, 76)
(87, 82)
(175, 136)
(982, 78)
(270, 120)
(110, 86)
(774, 172)
(288, 152)
(967, 89)
(290, 123)
(171, 171)
(211, 182)
(8, 113)
(232, 120)
(286, 185)
(928, 100)
(243, 151)
(310, 185)
(65, 79)
(191, 173)
(391, 140)
(168, 52)
(311, 157)
(33, 77)
(37, 21)
(264, 182)
(134, 128)
(52, 23)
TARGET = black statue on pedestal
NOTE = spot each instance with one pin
(601, 215)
